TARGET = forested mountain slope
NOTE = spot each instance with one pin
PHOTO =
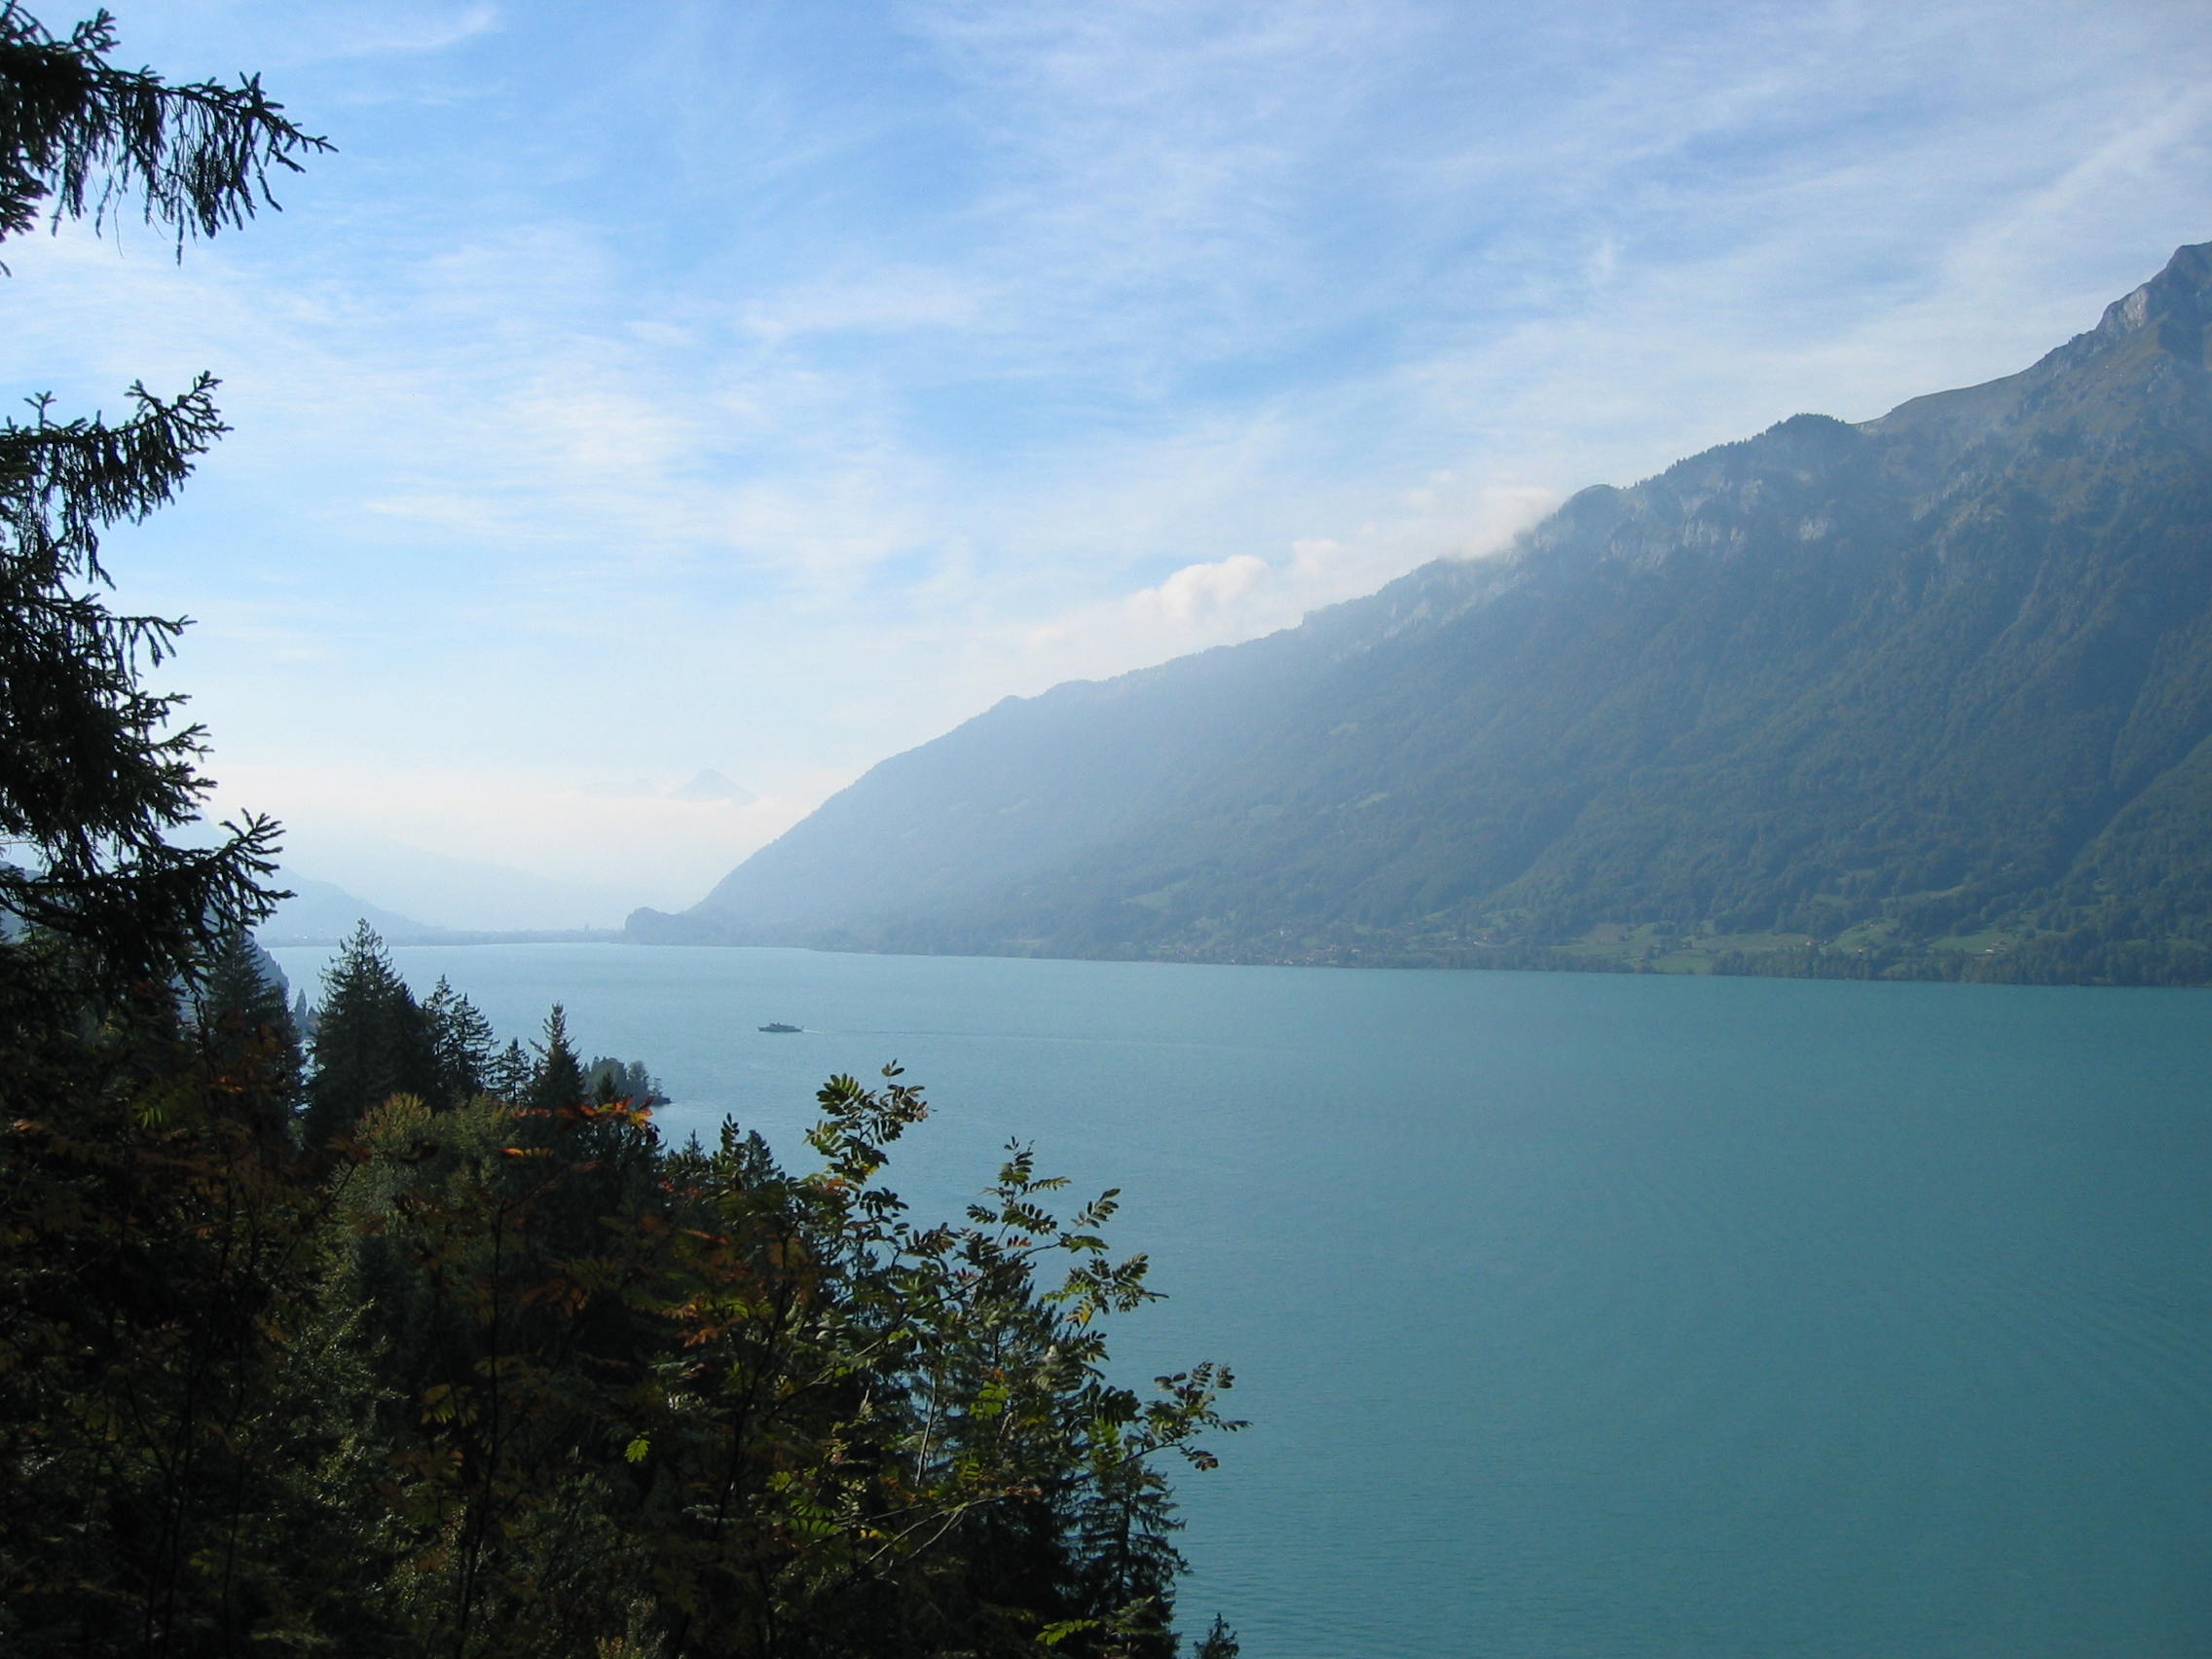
(1929, 694)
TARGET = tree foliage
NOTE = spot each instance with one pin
(510, 1378)
(93, 779)
(372, 1040)
(79, 136)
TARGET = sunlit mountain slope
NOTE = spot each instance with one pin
(1930, 694)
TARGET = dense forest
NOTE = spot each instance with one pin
(1926, 696)
(425, 1345)
(400, 1341)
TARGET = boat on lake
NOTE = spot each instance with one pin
(779, 1025)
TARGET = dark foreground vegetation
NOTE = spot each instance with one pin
(476, 1365)
(413, 1345)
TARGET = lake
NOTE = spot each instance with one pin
(1575, 1314)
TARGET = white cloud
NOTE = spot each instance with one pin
(1199, 594)
(1242, 596)
(336, 54)
(345, 30)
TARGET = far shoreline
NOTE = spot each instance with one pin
(1795, 960)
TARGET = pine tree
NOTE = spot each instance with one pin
(508, 1076)
(151, 1224)
(371, 1041)
(240, 978)
(243, 1021)
(93, 777)
(462, 1044)
(559, 1081)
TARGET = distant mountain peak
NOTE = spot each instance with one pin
(321, 912)
(2179, 295)
(710, 786)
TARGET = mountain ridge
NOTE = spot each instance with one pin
(1930, 693)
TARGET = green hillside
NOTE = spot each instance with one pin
(1924, 696)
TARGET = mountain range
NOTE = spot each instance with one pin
(1928, 695)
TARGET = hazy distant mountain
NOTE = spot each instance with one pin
(710, 785)
(320, 913)
(464, 893)
(1933, 693)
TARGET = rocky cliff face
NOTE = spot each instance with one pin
(1941, 683)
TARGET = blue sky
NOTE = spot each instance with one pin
(768, 387)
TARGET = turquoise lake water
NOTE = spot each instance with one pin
(1575, 1315)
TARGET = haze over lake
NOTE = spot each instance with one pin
(1575, 1315)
